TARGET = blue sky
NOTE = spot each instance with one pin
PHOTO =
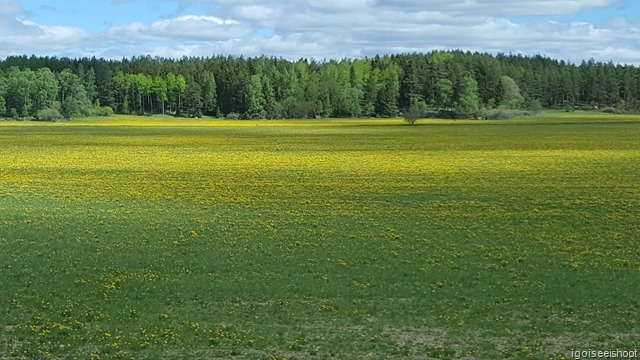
(567, 29)
(98, 16)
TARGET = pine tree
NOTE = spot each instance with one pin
(389, 93)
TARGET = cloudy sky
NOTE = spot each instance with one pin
(566, 29)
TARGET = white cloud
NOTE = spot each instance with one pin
(183, 28)
(292, 47)
(621, 54)
(23, 36)
(7, 8)
(458, 7)
(339, 28)
(256, 12)
(307, 31)
(497, 7)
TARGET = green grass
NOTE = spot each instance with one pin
(156, 238)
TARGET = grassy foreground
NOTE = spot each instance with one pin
(154, 238)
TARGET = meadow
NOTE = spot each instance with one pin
(149, 237)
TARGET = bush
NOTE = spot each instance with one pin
(609, 110)
(417, 110)
(503, 114)
(232, 116)
(260, 115)
(101, 111)
(49, 115)
(535, 106)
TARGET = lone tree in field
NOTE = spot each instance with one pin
(417, 110)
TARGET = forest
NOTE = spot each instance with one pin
(442, 83)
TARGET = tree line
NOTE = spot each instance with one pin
(445, 83)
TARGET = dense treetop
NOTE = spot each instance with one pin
(450, 83)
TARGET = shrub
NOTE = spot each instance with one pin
(101, 111)
(503, 114)
(260, 115)
(417, 110)
(233, 116)
(535, 106)
(49, 115)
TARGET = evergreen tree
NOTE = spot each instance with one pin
(255, 98)
(272, 87)
(370, 94)
(271, 107)
(89, 82)
(209, 93)
(389, 92)
(193, 100)
(410, 87)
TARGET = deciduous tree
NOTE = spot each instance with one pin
(468, 101)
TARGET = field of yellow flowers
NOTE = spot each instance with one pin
(149, 238)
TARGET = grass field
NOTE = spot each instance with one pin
(154, 238)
